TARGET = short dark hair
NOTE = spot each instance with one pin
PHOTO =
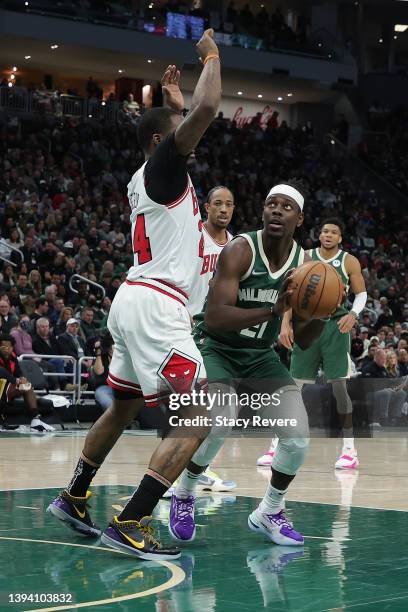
(7, 338)
(153, 121)
(333, 221)
(40, 302)
(214, 189)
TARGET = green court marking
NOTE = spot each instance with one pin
(353, 558)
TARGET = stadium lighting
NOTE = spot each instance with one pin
(14, 68)
(10, 84)
(290, 95)
(332, 142)
(103, 103)
(239, 93)
(380, 40)
(259, 95)
(395, 37)
(149, 61)
(54, 47)
(399, 27)
(12, 77)
(120, 70)
(280, 98)
(27, 57)
(25, 3)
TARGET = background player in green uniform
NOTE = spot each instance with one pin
(331, 350)
(248, 296)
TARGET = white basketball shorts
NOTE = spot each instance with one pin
(154, 353)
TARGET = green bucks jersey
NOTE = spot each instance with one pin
(258, 287)
(338, 263)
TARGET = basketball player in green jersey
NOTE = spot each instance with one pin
(247, 299)
(332, 349)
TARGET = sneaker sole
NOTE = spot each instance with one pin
(175, 537)
(73, 523)
(276, 539)
(111, 543)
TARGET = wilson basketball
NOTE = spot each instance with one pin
(319, 289)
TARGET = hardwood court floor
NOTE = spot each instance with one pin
(355, 555)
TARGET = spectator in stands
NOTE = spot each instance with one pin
(88, 327)
(29, 254)
(7, 319)
(23, 343)
(61, 326)
(18, 385)
(41, 310)
(56, 310)
(34, 282)
(403, 361)
(22, 285)
(8, 277)
(70, 342)
(131, 108)
(44, 342)
(100, 369)
(388, 399)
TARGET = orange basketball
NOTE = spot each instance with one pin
(318, 290)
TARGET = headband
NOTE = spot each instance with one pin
(290, 192)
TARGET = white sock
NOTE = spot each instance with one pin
(273, 500)
(274, 444)
(186, 484)
(348, 442)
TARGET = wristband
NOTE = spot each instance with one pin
(211, 56)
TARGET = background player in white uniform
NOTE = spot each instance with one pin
(148, 319)
(220, 208)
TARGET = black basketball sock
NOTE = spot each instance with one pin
(83, 476)
(144, 499)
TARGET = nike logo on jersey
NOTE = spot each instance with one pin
(259, 273)
(132, 541)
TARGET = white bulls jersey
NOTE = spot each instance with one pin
(212, 249)
(168, 243)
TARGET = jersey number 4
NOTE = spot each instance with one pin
(141, 243)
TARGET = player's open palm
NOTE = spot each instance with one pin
(346, 323)
(206, 45)
(171, 88)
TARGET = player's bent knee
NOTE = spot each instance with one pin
(125, 410)
(290, 455)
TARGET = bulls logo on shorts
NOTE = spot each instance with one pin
(179, 371)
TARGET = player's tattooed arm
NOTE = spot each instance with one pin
(221, 312)
(357, 285)
(206, 97)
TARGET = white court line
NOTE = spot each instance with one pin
(373, 601)
(28, 507)
(177, 576)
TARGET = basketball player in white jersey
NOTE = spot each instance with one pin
(149, 322)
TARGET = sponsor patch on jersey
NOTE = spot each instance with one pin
(337, 263)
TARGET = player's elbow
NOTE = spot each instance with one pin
(207, 110)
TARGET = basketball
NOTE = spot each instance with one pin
(319, 289)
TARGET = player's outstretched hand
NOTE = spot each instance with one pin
(206, 45)
(346, 323)
(285, 294)
(172, 95)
